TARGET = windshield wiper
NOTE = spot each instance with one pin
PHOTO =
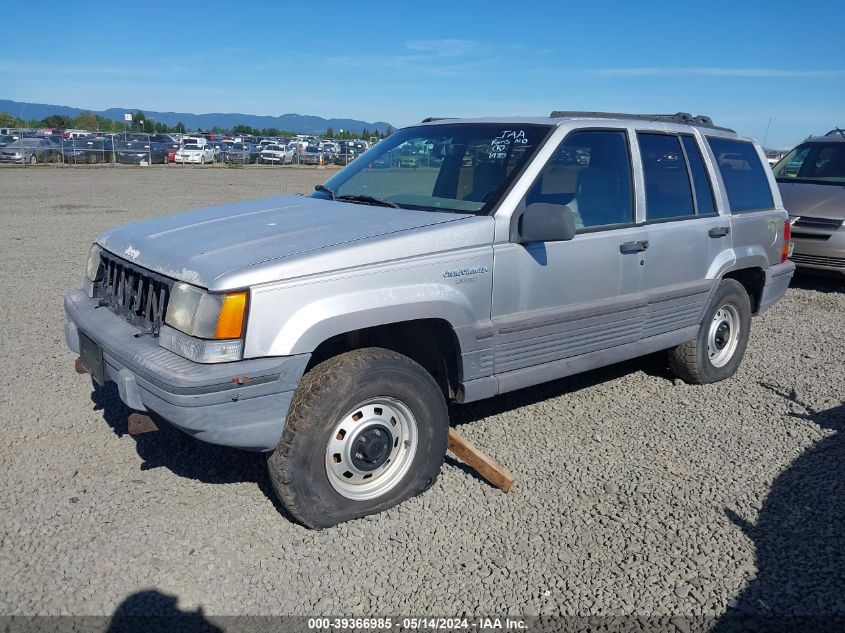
(365, 199)
(325, 189)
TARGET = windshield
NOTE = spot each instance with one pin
(24, 142)
(461, 167)
(191, 148)
(822, 163)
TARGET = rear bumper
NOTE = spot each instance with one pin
(241, 404)
(777, 281)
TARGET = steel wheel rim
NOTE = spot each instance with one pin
(387, 424)
(723, 335)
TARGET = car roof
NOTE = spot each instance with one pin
(836, 135)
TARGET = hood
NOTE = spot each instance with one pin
(820, 201)
(200, 246)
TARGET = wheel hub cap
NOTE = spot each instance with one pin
(371, 449)
(723, 335)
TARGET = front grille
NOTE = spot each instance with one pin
(810, 222)
(819, 260)
(137, 295)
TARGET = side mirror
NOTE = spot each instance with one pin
(543, 222)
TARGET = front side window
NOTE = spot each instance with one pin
(667, 186)
(590, 172)
(820, 163)
(460, 167)
(743, 173)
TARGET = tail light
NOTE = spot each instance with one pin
(786, 249)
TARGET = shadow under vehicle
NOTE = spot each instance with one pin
(799, 538)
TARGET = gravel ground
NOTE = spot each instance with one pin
(635, 493)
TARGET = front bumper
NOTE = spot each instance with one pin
(241, 404)
(825, 252)
(777, 281)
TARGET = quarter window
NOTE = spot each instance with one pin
(700, 178)
(743, 174)
(667, 185)
(590, 172)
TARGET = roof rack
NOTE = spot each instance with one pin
(836, 131)
(679, 117)
(431, 119)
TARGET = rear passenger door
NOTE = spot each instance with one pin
(756, 224)
(684, 230)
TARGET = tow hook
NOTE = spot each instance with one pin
(138, 423)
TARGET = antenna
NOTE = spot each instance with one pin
(766, 135)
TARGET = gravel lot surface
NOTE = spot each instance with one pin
(635, 493)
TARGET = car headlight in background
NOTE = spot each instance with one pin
(93, 267)
(204, 327)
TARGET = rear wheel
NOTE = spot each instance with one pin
(717, 351)
(366, 430)
(33, 160)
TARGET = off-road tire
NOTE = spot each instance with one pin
(326, 394)
(690, 361)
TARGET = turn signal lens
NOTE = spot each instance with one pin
(230, 323)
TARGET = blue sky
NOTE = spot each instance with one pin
(740, 62)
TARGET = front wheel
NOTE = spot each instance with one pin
(202, 160)
(366, 430)
(32, 160)
(717, 351)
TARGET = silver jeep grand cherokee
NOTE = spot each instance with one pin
(331, 331)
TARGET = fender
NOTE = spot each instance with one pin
(737, 259)
(312, 322)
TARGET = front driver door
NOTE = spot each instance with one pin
(557, 302)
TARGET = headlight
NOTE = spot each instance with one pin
(93, 267)
(206, 315)
(204, 327)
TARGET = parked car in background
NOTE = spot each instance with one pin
(220, 149)
(276, 155)
(5, 139)
(196, 154)
(140, 153)
(31, 150)
(88, 151)
(242, 153)
(811, 179)
(313, 155)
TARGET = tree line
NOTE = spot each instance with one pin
(141, 123)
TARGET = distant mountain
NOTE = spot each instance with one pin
(300, 123)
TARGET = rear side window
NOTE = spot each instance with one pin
(743, 174)
(667, 186)
(700, 178)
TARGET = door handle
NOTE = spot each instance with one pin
(633, 247)
(719, 231)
